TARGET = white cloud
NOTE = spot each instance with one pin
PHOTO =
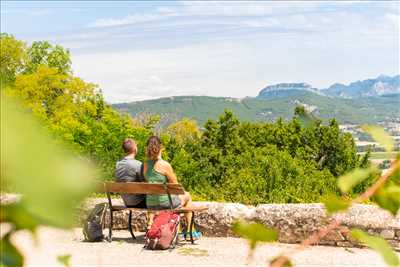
(246, 8)
(195, 9)
(238, 67)
(165, 10)
(260, 23)
(139, 88)
(27, 12)
(131, 19)
(393, 18)
(136, 75)
(233, 48)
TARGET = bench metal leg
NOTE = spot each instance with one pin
(130, 225)
(191, 228)
(110, 225)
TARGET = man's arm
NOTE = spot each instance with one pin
(140, 174)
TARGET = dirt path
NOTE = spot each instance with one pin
(124, 251)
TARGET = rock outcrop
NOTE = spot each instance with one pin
(286, 90)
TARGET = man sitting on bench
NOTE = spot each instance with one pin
(129, 169)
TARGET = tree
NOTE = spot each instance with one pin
(184, 130)
(17, 58)
(54, 56)
(12, 58)
(72, 109)
(256, 162)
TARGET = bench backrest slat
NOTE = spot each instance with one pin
(143, 188)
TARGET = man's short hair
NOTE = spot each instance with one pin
(129, 146)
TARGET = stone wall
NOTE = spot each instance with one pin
(294, 222)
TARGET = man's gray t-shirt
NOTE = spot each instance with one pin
(129, 170)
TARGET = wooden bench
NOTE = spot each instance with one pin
(148, 189)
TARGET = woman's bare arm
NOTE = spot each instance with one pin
(169, 172)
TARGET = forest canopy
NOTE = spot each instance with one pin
(229, 160)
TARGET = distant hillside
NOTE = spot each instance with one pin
(201, 108)
(382, 85)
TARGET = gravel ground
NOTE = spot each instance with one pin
(124, 251)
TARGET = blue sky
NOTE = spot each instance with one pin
(137, 50)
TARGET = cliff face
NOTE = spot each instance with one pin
(287, 86)
(285, 90)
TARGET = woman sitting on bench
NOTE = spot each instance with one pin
(157, 170)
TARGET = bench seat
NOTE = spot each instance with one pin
(148, 189)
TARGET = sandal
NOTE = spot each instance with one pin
(185, 236)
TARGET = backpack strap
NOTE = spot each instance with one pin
(103, 216)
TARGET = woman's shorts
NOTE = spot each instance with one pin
(176, 203)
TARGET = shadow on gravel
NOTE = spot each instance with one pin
(139, 239)
(188, 251)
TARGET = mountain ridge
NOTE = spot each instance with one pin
(382, 85)
(202, 108)
(276, 101)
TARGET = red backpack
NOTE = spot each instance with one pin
(163, 232)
